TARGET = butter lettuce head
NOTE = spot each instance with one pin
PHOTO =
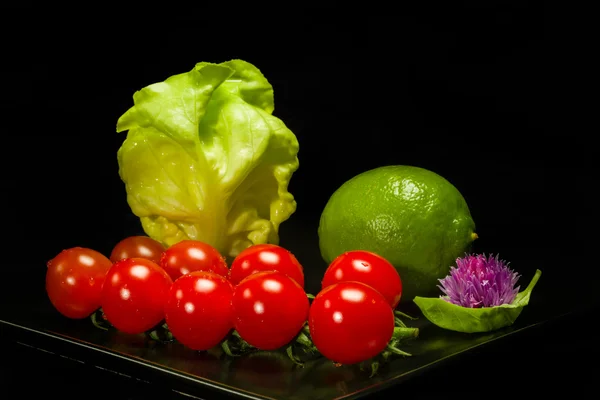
(205, 159)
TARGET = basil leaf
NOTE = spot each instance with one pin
(471, 320)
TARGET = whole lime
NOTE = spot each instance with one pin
(411, 216)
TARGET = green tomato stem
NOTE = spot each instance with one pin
(161, 333)
(374, 368)
(97, 324)
(396, 350)
(227, 349)
(292, 356)
(401, 314)
(234, 345)
(99, 320)
(401, 332)
(305, 341)
(306, 330)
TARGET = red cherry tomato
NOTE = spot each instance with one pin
(192, 255)
(198, 311)
(270, 308)
(74, 281)
(350, 322)
(137, 247)
(134, 295)
(265, 257)
(366, 267)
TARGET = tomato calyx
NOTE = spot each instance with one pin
(302, 349)
(99, 320)
(299, 350)
(234, 345)
(400, 336)
(159, 333)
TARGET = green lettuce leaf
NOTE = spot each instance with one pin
(205, 159)
(470, 320)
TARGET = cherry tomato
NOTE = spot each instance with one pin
(134, 295)
(366, 267)
(265, 257)
(198, 311)
(137, 247)
(74, 281)
(270, 308)
(192, 255)
(350, 322)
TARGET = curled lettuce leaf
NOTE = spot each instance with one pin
(205, 159)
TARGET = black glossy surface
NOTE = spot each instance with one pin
(260, 375)
(528, 364)
(273, 375)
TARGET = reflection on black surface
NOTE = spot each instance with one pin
(211, 365)
(266, 374)
(325, 376)
(270, 374)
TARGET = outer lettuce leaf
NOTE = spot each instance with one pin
(205, 159)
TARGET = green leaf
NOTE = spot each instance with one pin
(205, 159)
(470, 320)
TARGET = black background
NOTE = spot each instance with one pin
(462, 90)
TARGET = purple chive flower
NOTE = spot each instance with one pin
(478, 282)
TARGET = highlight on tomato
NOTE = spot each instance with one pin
(269, 309)
(74, 281)
(192, 255)
(137, 247)
(350, 322)
(265, 257)
(198, 311)
(366, 267)
(134, 295)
